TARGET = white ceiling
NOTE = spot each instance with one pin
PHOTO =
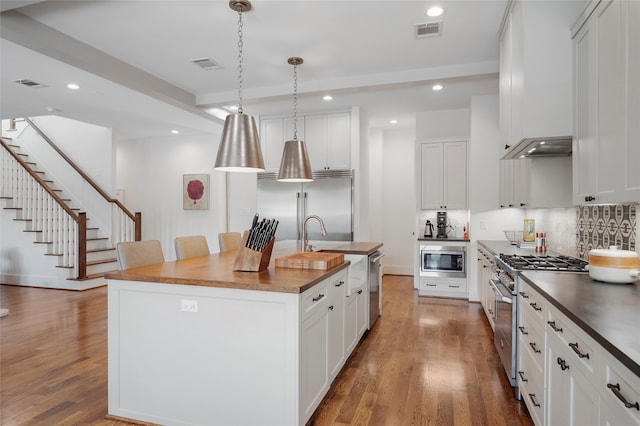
(132, 59)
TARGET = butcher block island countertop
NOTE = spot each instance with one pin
(194, 342)
(216, 270)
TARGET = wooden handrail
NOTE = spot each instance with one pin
(80, 171)
(40, 181)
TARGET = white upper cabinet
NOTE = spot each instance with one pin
(326, 136)
(535, 70)
(526, 183)
(606, 51)
(443, 175)
(328, 139)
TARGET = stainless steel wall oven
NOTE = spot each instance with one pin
(443, 261)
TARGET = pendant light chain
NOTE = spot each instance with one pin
(295, 102)
(240, 60)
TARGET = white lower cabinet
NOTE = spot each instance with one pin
(362, 311)
(314, 331)
(619, 391)
(332, 325)
(571, 400)
(336, 312)
(531, 350)
(576, 382)
(444, 287)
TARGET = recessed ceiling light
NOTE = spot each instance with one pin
(73, 86)
(434, 11)
(175, 132)
(393, 121)
(327, 97)
(437, 87)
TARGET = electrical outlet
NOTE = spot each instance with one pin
(189, 305)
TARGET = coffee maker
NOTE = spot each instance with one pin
(441, 224)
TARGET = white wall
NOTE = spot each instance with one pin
(398, 201)
(442, 124)
(150, 173)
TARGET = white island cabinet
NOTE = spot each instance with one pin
(198, 354)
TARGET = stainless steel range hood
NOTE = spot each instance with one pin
(558, 146)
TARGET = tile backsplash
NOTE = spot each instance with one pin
(603, 226)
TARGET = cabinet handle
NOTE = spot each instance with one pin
(616, 391)
(589, 198)
(431, 285)
(552, 324)
(490, 311)
(522, 204)
(533, 398)
(534, 347)
(523, 331)
(577, 350)
(535, 306)
(454, 285)
(331, 307)
(524, 295)
(510, 205)
(359, 291)
(320, 296)
(522, 377)
(563, 364)
(339, 283)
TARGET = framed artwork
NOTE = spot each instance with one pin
(195, 192)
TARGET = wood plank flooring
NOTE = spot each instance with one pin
(427, 361)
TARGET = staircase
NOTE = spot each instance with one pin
(80, 253)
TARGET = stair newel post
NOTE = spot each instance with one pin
(138, 225)
(82, 245)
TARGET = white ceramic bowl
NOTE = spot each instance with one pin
(613, 265)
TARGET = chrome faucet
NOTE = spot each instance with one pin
(305, 244)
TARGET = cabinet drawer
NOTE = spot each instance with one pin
(580, 348)
(530, 382)
(531, 342)
(314, 299)
(532, 302)
(443, 286)
(620, 390)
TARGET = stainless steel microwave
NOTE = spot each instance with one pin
(443, 261)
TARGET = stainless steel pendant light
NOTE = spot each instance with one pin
(239, 149)
(295, 166)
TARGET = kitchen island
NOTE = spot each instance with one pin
(194, 342)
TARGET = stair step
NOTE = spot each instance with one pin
(97, 250)
(99, 262)
(31, 163)
(93, 276)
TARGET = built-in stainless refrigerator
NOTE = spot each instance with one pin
(329, 196)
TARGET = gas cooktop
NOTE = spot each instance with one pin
(544, 263)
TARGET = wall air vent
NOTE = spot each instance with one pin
(29, 83)
(206, 63)
(429, 29)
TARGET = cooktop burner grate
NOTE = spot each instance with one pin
(545, 263)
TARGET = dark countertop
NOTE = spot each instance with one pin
(496, 247)
(609, 313)
(444, 240)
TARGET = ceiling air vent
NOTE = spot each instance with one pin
(206, 63)
(429, 29)
(28, 83)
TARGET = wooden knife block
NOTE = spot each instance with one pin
(252, 260)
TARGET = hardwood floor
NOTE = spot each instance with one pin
(427, 361)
